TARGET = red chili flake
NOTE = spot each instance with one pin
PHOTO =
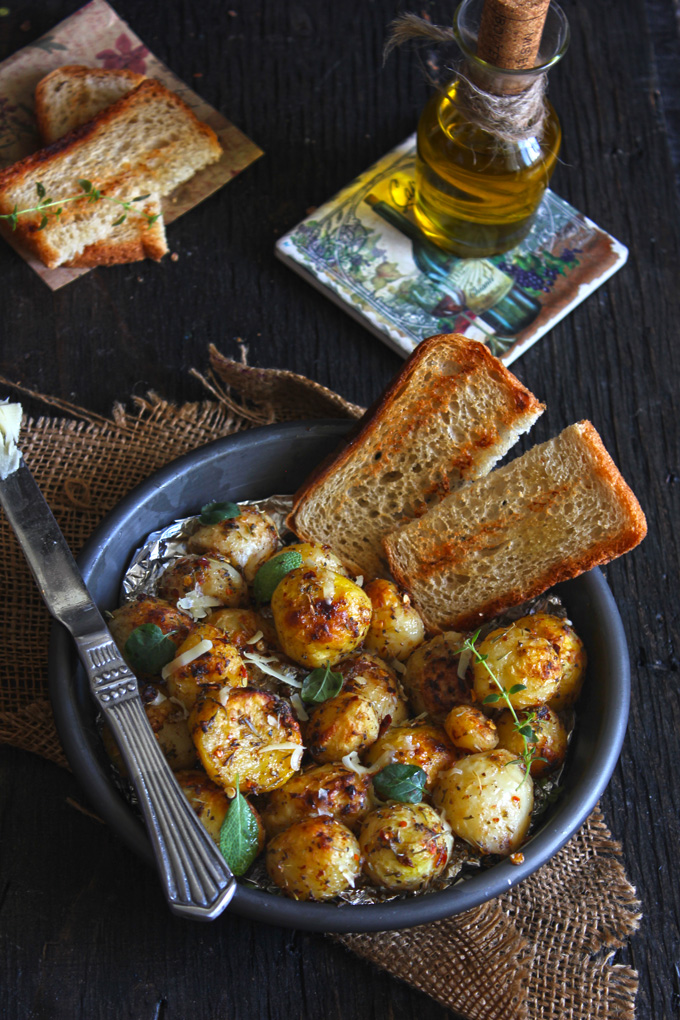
(495, 819)
(515, 799)
(403, 825)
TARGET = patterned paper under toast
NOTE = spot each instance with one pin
(97, 37)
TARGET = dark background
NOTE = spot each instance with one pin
(84, 932)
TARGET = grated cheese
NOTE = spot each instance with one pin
(398, 666)
(255, 638)
(186, 657)
(263, 662)
(351, 762)
(299, 706)
(464, 662)
(297, 749)
(196, 604)
(360, 580)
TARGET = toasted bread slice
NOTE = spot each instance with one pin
(448, 416)
(148, 142)
(545, 517)
(73, 94)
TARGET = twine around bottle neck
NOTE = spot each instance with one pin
(511, 117)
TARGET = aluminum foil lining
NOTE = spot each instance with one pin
(162, 548)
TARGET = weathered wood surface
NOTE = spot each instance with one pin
(84, 934)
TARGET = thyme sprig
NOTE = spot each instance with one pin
(522, 726)
(53, 208)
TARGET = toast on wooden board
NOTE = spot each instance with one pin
(148, 142)
(449, 415)
(64, 100)
(547, 516)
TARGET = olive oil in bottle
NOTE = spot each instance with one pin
(480, 175)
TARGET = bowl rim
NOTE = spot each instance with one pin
(80, 739)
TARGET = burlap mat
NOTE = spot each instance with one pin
(542, 951)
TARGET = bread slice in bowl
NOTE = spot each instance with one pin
(449, 415)
(547, 516)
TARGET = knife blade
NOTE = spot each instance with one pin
(196, 878)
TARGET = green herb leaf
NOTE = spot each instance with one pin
(43, 223)
(121, 219)
(148, 649)
(321, 684)
(526, 731)
(152, 219)
(213, 513)
(85, 186)
(40, 188)
(517, 688)
(272, 573)
(491, 699)
(239, 834)
(140, 198)
(404, 783)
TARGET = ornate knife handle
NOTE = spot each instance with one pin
(198, 882)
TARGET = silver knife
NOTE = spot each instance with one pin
(196, 878)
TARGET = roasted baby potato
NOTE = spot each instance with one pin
(431, 680)
(203, 575)
(241, 625)
(419, 744)
(252, 740)
(570, 651)
(348, 722)
(169, 723)
(519, 657)
(315, 859)
(550, 746)
(469, 729)
(487, 800)
(314, 555)
(211, 803)
(370, 677)
(319, 616)
(220, 666)
(329, 791)
(148, 609)
(245, 541)
(405, 846)
(396, 627)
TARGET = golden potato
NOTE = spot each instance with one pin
(221, 666)
(405, 846)
(550, 743)
(469, 729)
(517, 655)
(169, 724)
(148, 609)
(253, 736)
(431, 679)
(241, 625)
(374, 680)
(319, 616)
(348, 722)
(245, 541)
(329, 791)
(211, 803)
(487, 800)
(203, 575)
(314, 860)
(419, 744)
(396, 627)
(314, 555)
(570, 651)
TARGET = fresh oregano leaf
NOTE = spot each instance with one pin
(148, 649)
(321, 684)
(272, 573)
(121, 219)
(140, 198)
(213, 513)
(239, 835)
(43, 223)
(40, 188)
(85, 186)
(490, 699)
(517, 688)
(404, 783)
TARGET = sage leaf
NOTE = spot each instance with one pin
(321, 684)
(148, 649)
(404, 783)
(272, 573)
(239, 835)
(213, 513)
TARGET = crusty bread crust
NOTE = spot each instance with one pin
(151, 170)
(549, 515)
(447, 417)
(75, 78)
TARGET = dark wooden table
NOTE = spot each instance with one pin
(84, 933)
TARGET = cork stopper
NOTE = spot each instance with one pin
(510, 32)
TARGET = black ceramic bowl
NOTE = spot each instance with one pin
(276, 459)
